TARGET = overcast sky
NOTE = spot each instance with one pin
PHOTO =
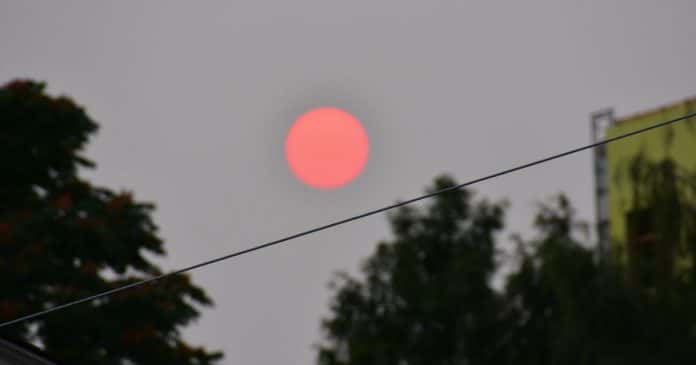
(194, 100)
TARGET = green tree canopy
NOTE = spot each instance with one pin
(562, 307)
(61, 238)
(425, 297)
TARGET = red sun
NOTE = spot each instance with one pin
(326, 148)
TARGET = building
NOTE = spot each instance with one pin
(627, 227)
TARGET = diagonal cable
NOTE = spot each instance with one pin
(345, 220)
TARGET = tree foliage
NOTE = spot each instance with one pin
(425, 297)
(61, 238)
(564, 307)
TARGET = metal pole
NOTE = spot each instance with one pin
(599, 121)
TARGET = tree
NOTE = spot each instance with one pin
(661, 222)
(562, 306)
(661, 260)
(425, 297)
(61, 238)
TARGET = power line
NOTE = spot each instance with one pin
(344, 221)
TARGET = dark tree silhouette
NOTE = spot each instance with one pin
(562, 306)
(425, 297)
(61, 238)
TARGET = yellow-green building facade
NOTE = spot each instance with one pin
(614, 192)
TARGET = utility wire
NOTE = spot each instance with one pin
(344, 221)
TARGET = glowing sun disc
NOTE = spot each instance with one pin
(326, 148)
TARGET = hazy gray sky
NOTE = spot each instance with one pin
(194, 100)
